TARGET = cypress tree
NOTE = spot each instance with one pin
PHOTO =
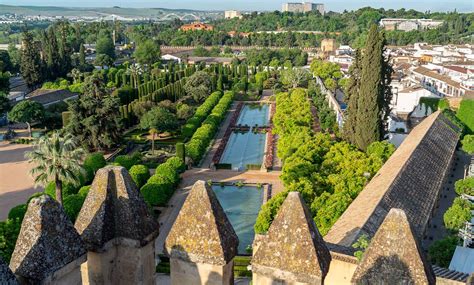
(31, 65)
(369, 94)
(352, 97)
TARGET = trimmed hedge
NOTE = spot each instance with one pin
(140, 174)
(92, 163)
(180, 151)
(128, 161)
(72, 205)
(160, 187)
(18, 212)
(201, 113)
(156, 194)
(84, 190)
(68, 190)
(199, 142)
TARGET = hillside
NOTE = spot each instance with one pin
(101, 12)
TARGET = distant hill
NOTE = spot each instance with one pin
(158, 13)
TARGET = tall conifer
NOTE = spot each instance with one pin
(369, 93)
(31, 65)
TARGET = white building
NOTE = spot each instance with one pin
(405, 100)
(230, 14)
(303, 7)
(407, 25)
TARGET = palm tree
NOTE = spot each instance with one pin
(56, 159)
(153, 133)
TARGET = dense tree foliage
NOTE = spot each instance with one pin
(466, 115)
(31, 63)
(27, 112)
(369, 93)
(198, 86)
(95, 117)
(441, 251)
(329, 174)
(467, 144)
(147, 53)
(465, 186)
(458, 214)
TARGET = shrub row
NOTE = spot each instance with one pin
(160, 187)
(201, 113)
(196, 147)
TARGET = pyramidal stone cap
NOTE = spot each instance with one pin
(6, 275)
(394, 255)
(113, 209)
(47, 241)
(202, 233)
(293, 248)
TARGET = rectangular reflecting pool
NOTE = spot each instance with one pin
(253, 114)
(241, 205)
(243, 149)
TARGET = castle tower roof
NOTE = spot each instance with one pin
(47, 241)
(202, 233)
(114, 209)
(293, 245)
(394, 255)
(6, 275)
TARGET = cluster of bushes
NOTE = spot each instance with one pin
(201, 113)
(466, 114)
(458, 214)
(160, 187)
(199, 142)
(326, 116)
(63, 84)
(329, 174)
(128, 160)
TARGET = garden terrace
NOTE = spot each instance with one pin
(410, 180)
(245, 149)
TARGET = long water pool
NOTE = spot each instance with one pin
(243, 149)
(241, 205)
(253, 114)
(247, 148)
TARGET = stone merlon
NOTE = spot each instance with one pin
(202, 233)
(394, 255)
(114, 209)
(47, 241)
(293, 249)
(6, 275)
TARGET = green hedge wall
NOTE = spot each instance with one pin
(199, 142)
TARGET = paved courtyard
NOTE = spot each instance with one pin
(16, 185)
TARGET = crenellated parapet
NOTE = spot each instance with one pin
(394, 255)
(118, 230)
(293, 251)
(202, 242)
(48, 250)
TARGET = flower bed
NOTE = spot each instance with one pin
(270, 140)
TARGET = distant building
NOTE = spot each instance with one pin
(392, 24)
(197, 26)
(232, 14)
(328, 45)
(303, 7)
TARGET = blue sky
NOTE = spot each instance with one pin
(334, 5)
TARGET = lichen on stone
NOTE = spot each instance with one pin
(47, 241)
(394, 255)
(202, 233)
(6, 275)
(114, 208)
(293, 246)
